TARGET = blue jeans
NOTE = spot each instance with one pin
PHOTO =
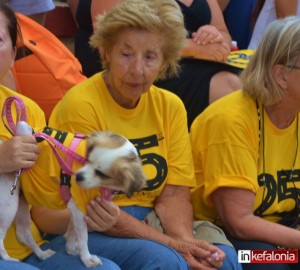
(11, 265)
(231, 261)
(62, 261)
(116, 253)
(127, 254)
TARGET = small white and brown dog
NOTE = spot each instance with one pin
(112, 162)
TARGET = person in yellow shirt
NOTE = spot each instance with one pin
(140, 42)
(246, 150)
(22, 151)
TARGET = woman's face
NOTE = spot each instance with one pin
(7, 52)
(135, 62)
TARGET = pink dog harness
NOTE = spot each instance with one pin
(71, 155)
(55, 145)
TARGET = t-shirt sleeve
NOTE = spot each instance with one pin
(180, 163)
(225, 154)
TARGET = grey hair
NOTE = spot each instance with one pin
(280, 45)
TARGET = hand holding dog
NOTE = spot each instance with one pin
(101, 215)
(19, 152)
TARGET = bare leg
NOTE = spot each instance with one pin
(223, 83)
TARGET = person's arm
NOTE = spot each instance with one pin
(196, 253)
(216, 31)
(174, 209)
(210, 42)
(101, 215)
(286, 8)
(223, 4)
(50, 221)
(174, 203)
(235, 209)
(73, 4)
(212, 51)
(19, 152)
(217, 20)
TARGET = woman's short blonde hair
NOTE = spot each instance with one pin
(280, 45)
(157, 16)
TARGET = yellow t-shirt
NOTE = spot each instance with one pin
(35, 118)
(157, 127)
(227, 153)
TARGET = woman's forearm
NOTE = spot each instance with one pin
(50, 221)
(175, 212)
(129, 227)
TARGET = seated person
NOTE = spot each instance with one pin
(237, 16)
(203, 77)
(246, 151)
(267, 11)
(22, 152)
(141, 41)
(87, 56)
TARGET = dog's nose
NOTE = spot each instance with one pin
(79, 177)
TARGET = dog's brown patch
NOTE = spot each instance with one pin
(126, 174)
(104, 139)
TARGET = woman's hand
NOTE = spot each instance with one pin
(101, 215)
(213, 51)
(201, 254)
(19, 152)
(207, 34)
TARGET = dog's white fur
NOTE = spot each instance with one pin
(112, 162)
(14, 206)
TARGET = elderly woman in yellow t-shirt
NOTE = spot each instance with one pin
(246, 150)
(140, 42)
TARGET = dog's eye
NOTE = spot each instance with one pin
(101, 174)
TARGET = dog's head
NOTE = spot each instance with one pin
(112, 162)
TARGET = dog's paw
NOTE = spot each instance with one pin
(92, 261)
(46, 254)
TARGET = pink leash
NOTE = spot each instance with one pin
(55, 145)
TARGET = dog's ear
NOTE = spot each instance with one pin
(135, 184)
(90, 144)
(132, 175)
(134, 180)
